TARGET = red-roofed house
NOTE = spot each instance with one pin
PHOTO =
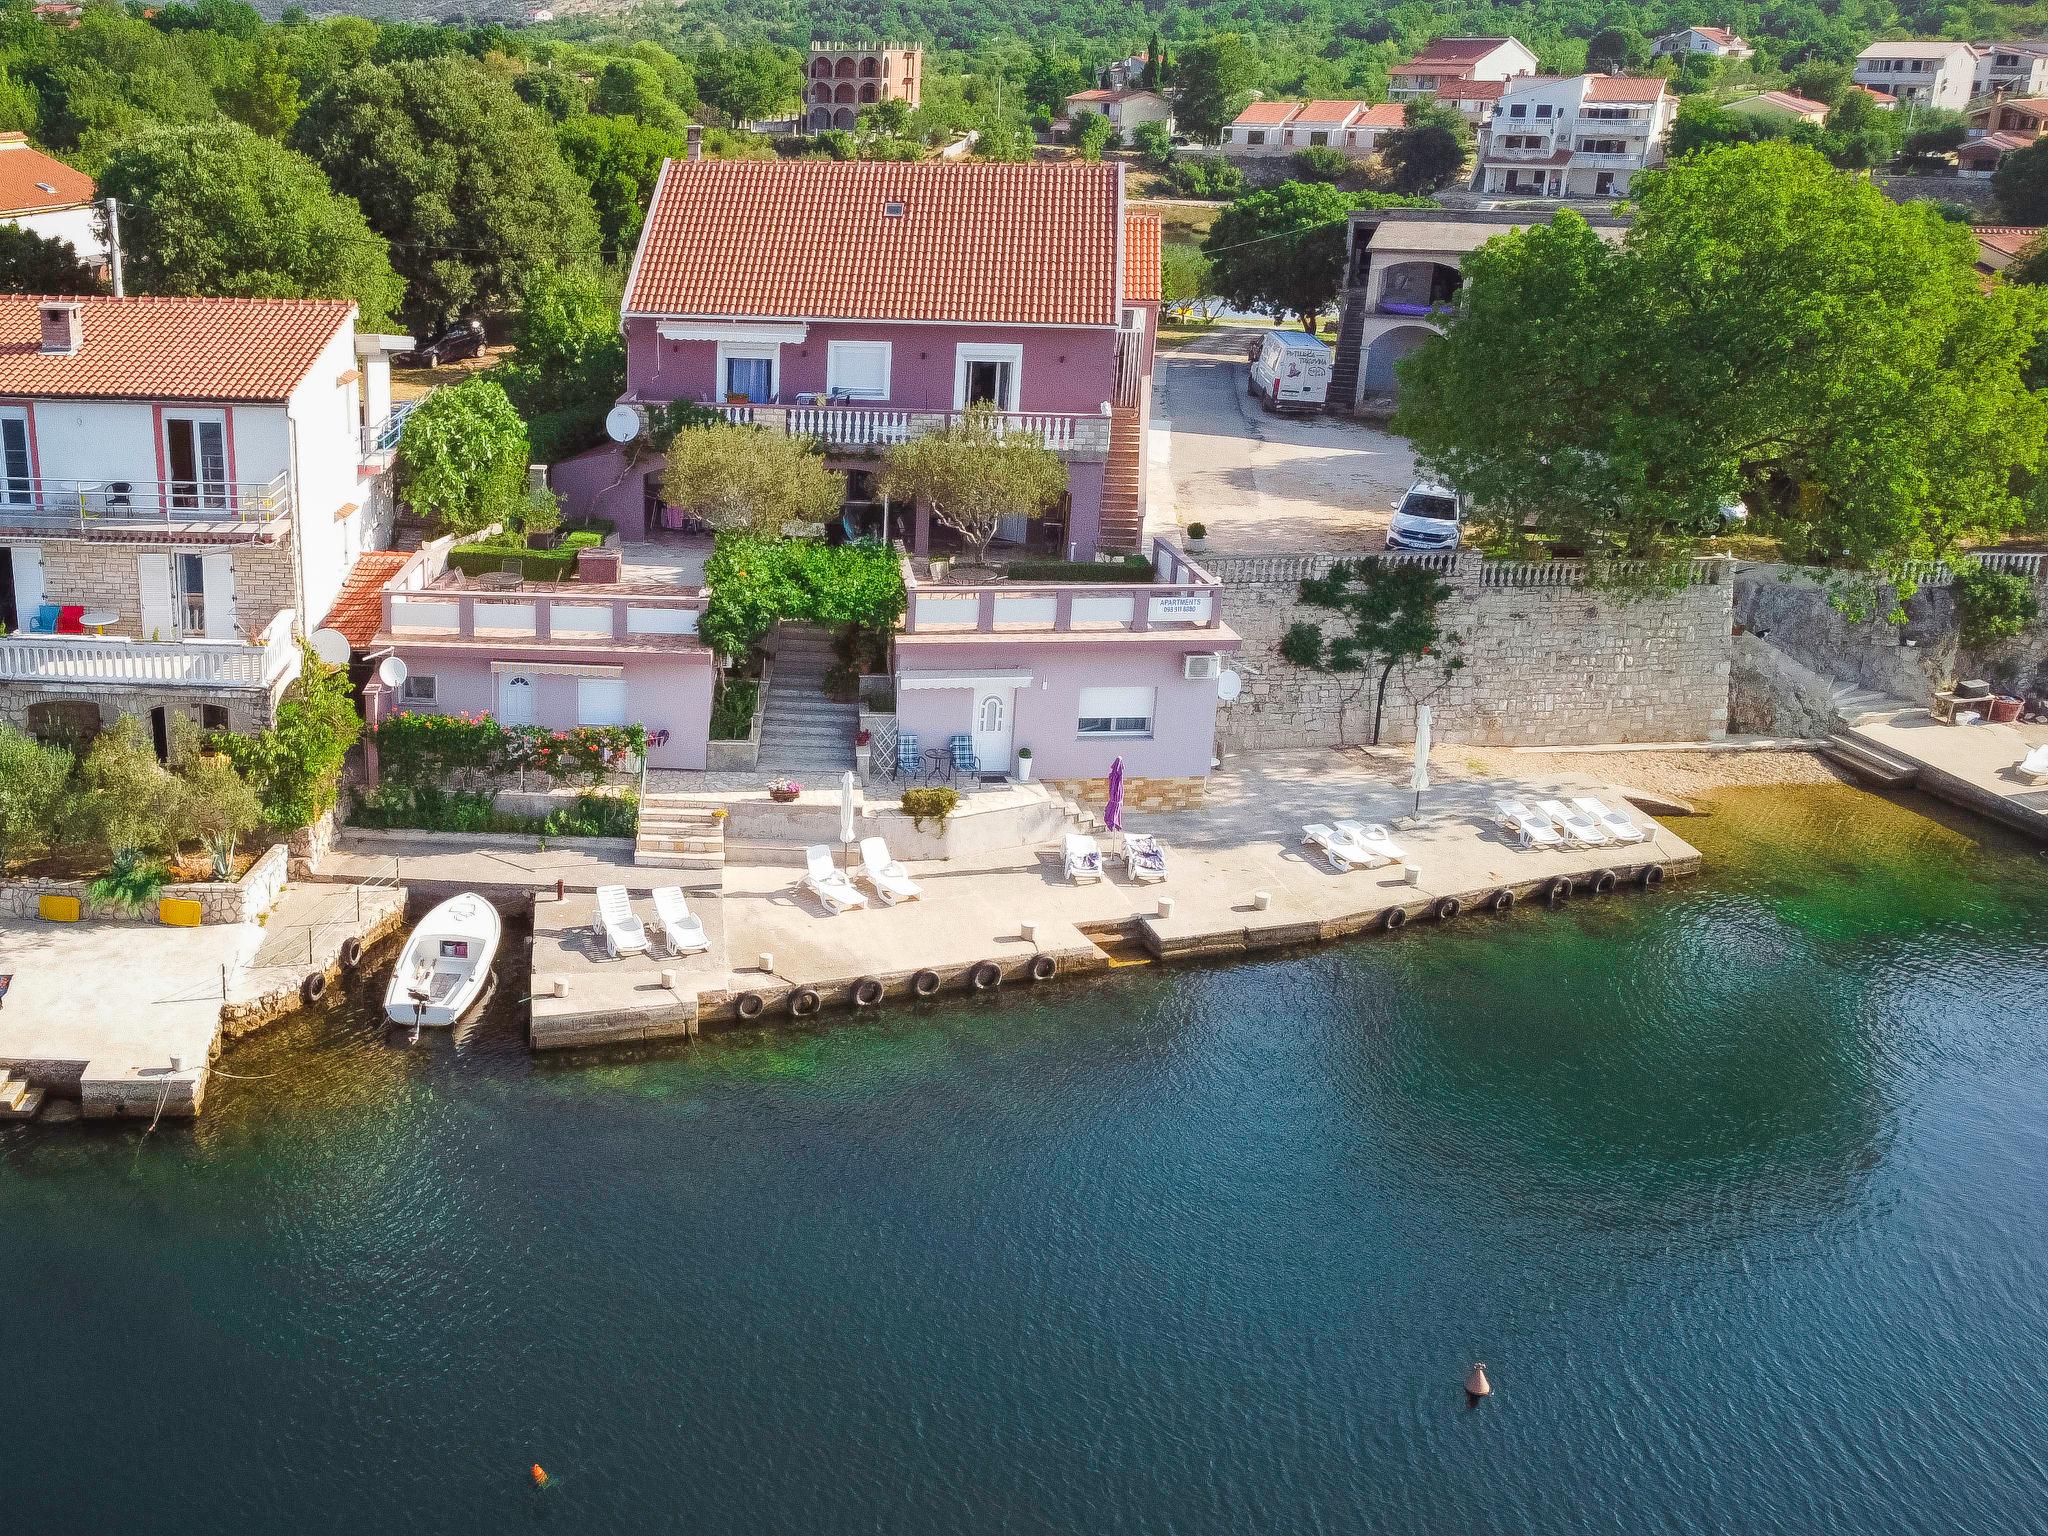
(1473, 100)
(50, 198)
(183, 481)
(1786, 106)
(863, 302)
(1459, 58)
(2000, 245)
(1582, 137)
(1283, 127)
(1125, 109)
(1714, 42)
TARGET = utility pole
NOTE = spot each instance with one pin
(113, 212)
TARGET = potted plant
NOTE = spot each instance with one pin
(1023, 765)
(1198, 537)
(783, 791)
(863, 751)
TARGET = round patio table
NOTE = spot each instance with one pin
(98, 619)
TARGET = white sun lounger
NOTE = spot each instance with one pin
(623, 933)
(829, 883)
(1374, 838)
(890, 879)
(1083, 860)
(1614, 823)
(1578, 829)
(1339, 851)
(680, 927)
(1144, 859)
(2034, 766)
(1535, 831)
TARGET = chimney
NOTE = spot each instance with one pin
(63, 327)
(696, 138)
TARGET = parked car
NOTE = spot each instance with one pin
(464, 339)
(1431, 516)
(1291, 371)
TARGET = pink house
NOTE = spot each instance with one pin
(862, 303)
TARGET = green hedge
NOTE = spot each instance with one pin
(1130, 568)
(484, 556)
(432, 809)
(755, 582)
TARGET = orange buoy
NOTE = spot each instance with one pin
(1476, 1385)
(540, 1477)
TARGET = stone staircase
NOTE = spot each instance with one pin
(1122, 527)
(19, 1098)
(1869, 762)
(678, 833)
(1852, 704)
(1350, 350)
(803, 733)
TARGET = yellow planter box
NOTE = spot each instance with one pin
(179, 912)
(57, 909)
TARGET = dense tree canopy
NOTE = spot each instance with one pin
(1281, 250)
(221, 210)
(1767, 328)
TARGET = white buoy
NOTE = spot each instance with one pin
(1476, 1385)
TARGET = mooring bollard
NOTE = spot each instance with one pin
(561, 987)
(1411, 874)
(1029, 931)
(767, 962)
(1166, 906)
(668, 979)
(1261, 900)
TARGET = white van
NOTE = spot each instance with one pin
(1291, 371)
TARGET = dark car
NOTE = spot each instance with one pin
(463, 339)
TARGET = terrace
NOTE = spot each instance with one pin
(871, 428)
(636, 594)
(125, 508)
(267, 664)
(1172, 594)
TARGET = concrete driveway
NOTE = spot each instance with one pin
(1263, 483)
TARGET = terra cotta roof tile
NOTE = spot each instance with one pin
(32, 182)
(1141, 258)
(358, 610)
(863, 240)
(161, 348)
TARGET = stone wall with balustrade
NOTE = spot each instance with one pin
(1554, 654)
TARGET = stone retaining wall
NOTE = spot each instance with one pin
(1139, 794)
(309, 845)
(237, 901)
(1548, 661)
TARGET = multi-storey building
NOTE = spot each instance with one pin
(1921, 74)
(1582, 137)
(2011, 69)
(1459, 58)
(183, 481)
(842, 78)
(50, 198)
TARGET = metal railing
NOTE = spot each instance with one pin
(870, 426)
(1182, 596)
(272, 660)
(382, 436)
(40, 504)
(1470, 568)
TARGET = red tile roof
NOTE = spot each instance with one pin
(168, 348)
(1141, 258)
(1719, 35)
(1454, 50)
(1472, 90)
(32, 182)
(2006, 239)
(359, 611)
(1328, 111)
(1623, 88)
(810, 239)
(1383, 114)
(1266, 114)
(1793, 102)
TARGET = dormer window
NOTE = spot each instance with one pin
(892, 210)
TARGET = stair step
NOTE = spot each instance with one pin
(19, 1098)
(1870, 763)
(648, 859)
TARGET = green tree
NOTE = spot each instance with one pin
(1154, 144)
(974, 474)
(216, 805)
(1764, 329)
(1428, 151)
(1390, 609)
(265, 93)
(1213, 80)
(457, 172)
(1009, 142)
(557, 93)
(1700, 125)
(462, 457)
(747, 84)
(1281, 250)
(1993, 605)
(631, 88)
(1615, 51)
(295, 767)
(619, 159)
(1319, 162)
(221, 210)
(1090, 133)
(749, 480)
(1861, 134)
(33, 263)
(1186, 276)
(128, 804)
(2021, 184)
(33, 781)
(1049, 79)
(1821, 81)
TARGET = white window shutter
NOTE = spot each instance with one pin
(220, 596)
(153, 581)
(28, 582)
(600, 701)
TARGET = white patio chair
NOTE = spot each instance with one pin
(890, 879)
(1612, 822)
(1144, 859)
(1535, 831)
(829, 883)
(1373, 837)
(1082, 859)
(1578, 829)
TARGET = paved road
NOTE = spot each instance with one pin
(1262, 482)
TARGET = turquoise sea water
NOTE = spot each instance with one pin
(1739, 1189)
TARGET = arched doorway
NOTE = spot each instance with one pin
(1385, 353)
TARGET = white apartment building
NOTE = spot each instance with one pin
(183, 482)
(1921, 74)
(1459, 58)
(1283, 127)
(2011, 69)
(1582, 137)
(50, 198)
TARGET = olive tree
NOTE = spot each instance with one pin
(975, 473)
(750, 480)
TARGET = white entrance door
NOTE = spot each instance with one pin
(994, 727)
(515, 698)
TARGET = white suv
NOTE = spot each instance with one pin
(1430, 517)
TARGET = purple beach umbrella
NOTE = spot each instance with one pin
(1113, 808)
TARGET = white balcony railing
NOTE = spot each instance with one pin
(271, 661)
(1181, 596)
(115, 506)
(871, 426)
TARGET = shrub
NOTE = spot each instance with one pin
(417, 751)
(732, 708)
(462, 456)
(1130, 568)
(754, 582)
(132, 884)
(1198, 530)
(429, 808)
(480, 557)
(934, 801)
(129, 802)
(295, 767)
(34, 778)
(1993, 605)
(1209, 176)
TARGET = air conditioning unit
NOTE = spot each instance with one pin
(1200, 665)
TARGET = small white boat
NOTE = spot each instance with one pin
(446, 964)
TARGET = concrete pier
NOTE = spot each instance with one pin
(1974, 766)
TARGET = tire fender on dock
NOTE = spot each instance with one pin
(1559, 891)
(925, 983)
(867, 992)
(750, 1005)
(1500, 900)
(1393, 919)
(804, 1002)
(1447, 908)
(987, 976)
(351, 953)
(1652, 876)
(1044, 967)
(1605, 881)
(313, 988)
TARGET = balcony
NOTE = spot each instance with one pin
(531, 613)
(118, 508)
(271, 662)
(870, 428)
(381, 437)
(1180, 597)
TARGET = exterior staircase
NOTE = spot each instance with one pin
(1869, 762)
(19, 1098)
(1852, 704)
(802, 732)
(677, 833)
(1122, 525)
(1350, 350)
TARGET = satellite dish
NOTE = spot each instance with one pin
(331, 646)
(1228, 686)
(623, 423)
(391, 671)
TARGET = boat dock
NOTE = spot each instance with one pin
(1974, 766)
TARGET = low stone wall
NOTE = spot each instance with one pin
(309, 845)
(742, 756)
(220, 901)
(1139, 794)
(1549, 660)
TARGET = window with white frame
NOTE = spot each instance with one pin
(418, 688)
(17, 464)
(1116, 711)
(987, 372)
(600, 701)
(749, 371)
(857, 370)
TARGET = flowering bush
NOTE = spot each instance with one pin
(422, 751)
